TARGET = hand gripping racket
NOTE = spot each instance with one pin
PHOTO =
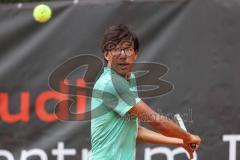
(180, 122)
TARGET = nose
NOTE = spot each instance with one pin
(123, 54)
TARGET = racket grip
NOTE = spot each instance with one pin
(193, 146)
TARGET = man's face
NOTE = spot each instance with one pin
(121, 57)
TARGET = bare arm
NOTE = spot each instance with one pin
(147, 136)
(161, 123)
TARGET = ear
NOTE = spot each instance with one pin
(106, 56)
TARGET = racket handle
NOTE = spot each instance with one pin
(193, 146)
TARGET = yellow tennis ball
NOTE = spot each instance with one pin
(42, 13)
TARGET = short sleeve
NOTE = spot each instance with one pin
(118, 95)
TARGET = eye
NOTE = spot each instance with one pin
(128, 49)
(116, 50)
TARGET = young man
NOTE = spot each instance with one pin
(115, 132)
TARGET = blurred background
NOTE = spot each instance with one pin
(197, 40)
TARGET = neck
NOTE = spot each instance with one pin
(126, 76)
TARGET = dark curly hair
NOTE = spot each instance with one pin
(114, 35)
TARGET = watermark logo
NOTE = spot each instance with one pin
(151, 78)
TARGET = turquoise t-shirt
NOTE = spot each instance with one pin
(113, 131)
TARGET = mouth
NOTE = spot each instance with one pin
(123, 66)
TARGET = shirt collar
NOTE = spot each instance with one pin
(108, 69)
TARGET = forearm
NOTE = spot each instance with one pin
(160, 123)
(147, 136)
(167, 127)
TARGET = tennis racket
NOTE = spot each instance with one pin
(181, 124)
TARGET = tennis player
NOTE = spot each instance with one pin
(114, 134)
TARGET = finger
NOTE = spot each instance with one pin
(188, 148)
(197, 146)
